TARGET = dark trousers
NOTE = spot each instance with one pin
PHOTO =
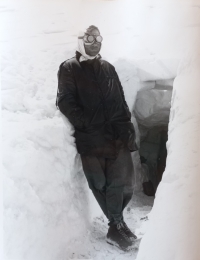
(111, 181)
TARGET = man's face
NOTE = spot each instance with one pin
(94, 48)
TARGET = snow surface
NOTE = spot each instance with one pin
(152, 107)
(49, 212)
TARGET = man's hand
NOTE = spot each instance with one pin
(131, 143)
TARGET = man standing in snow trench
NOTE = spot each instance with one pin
(90, 95)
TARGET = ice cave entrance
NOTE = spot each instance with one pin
(152, 110)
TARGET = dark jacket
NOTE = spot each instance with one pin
(90, 95)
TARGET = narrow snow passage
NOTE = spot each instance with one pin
(93, 245)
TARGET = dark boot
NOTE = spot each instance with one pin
(117, 237)
(128, 232)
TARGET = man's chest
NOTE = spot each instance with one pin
(95, 83)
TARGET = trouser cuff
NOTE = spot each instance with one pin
(117, 218)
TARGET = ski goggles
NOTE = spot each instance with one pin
(91, 38)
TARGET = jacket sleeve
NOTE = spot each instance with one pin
(122, 93)
(67, 96)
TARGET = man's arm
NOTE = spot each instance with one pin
(132, 145)
(122, 93)
(67, 97)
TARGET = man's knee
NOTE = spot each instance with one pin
(128, 191)
(97, 186)
(93, 172)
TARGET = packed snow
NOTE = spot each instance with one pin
(174, 219)
(49, 212)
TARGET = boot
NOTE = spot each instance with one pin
(128, 232)
(117, 237)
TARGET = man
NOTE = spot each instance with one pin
(90, 95)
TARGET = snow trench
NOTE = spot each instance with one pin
(174, 219)
(49, 211)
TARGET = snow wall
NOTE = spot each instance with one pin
(47, 204)
(174, 228)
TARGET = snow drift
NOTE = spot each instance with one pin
(174, 230)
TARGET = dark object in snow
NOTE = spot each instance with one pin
(148, 188)
(142, 159)
(145, 218)
(117, 237)
(128, 232)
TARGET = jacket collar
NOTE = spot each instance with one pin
(78, 55)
